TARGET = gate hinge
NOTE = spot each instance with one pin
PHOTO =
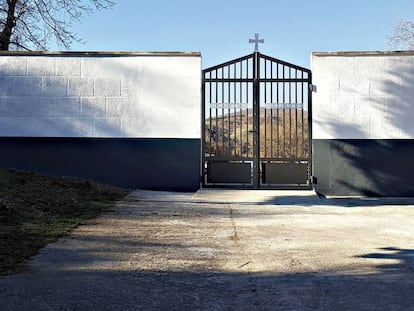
(313, 88)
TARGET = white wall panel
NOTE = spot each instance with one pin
(140, 95)
(13, 65)
(363, 95)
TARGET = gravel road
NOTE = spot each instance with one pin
(227, 250)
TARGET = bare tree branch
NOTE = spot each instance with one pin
(403, 36)
(31, 24)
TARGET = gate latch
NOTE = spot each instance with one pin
(313, 88)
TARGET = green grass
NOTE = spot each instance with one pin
(37, 209)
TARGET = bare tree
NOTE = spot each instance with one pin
(31, 24)
(403, 36)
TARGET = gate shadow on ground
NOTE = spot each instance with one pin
(249, 197)
(340, 202)
(315, 200)
(288, 201)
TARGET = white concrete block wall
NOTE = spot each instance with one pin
(363, 95)
(140, 95)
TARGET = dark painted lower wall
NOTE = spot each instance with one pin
(158, 164)
(364, 167)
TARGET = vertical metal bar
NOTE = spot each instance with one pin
(210, 120)
(256, 120)
(290, 114)
(229, 112)
(277, 113)
(217, 129)
(241, 109)
(235, 111)
(310, 173)
(247, 110)
(222, 111)
(296, 114)
(265, 112)
(303, 124)
(271, 110)
(203, 129)
(284, 114)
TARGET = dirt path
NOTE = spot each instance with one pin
(181, 252)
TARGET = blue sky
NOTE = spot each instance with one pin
(220, 29)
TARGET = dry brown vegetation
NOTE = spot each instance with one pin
(37, 209)
(284, 133)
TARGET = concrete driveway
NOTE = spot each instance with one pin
(227, 250)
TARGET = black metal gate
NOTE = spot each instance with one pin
(257, 129)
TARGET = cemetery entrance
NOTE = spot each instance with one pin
(256, 124)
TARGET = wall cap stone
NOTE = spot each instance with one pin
(97, 53)
(363, 53)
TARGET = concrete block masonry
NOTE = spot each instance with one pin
(13, 66)
(129, 119)
(68, 66)
(363, 95)
(54, 86)
(80, 86)
(117, 88)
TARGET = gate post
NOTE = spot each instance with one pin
(203, 130)
(256, 120)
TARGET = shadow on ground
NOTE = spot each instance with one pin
(177, 253)
(341, 202)
(390, 288)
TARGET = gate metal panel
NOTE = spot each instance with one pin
(285, 173)
(228, 173)
(257, 111)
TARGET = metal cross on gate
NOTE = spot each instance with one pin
(256, 42)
